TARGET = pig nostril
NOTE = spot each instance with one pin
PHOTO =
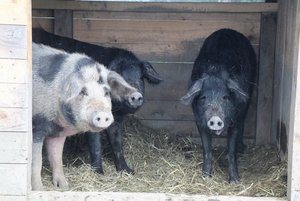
(106, 119)
(132, 98)
(140, 99)
(211, 123)
(219, 123)
(98, 119)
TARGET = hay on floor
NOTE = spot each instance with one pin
(166, 164)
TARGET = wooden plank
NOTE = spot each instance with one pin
(13, 198)
(165, 110)
(63, 23)
(293, 65)
(122, 196)
(13, 179)
(176, 78)
(14, 119)
(265, 79)
(16, 95)
(156, 7)
(13, 41)
(14, 147)
(13, 12)
(132, 15)
(156, 31)
(177, 118)
(13, 71)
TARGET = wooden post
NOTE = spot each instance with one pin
(265, 78)
(63, 23)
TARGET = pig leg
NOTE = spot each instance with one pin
(94, 144)
(55, 147)
(36, 179)
(115, 135)
(232, 162)
(207, 153)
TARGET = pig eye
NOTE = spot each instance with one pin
(100, 81)
(83, 92)
(226, 97)
(106, 92)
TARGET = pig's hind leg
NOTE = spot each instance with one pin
(55, 147)
(232, 156)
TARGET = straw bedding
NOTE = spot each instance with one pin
(168, 164)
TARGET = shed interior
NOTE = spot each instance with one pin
(169, 36)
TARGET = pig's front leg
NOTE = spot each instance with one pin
(207, 153)
(95, 149)
(55, 147)
(36, 167)
(115, 135)
(232, 162)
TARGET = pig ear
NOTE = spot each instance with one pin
(240, 93)
(194, 90)
(150, 74)
(120, 89)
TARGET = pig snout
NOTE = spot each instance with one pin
(136, 99)
(102, 119)
(215, 124)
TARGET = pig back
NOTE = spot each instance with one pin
(227, 51)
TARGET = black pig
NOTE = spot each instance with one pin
(124, 62)
(221, 85)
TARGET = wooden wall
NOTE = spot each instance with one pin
(170, 37)
(15, 101)
(287, 90)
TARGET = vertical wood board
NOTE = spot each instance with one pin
(265, 79)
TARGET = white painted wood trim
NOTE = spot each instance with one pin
(120, 196)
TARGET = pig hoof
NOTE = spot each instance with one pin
(234, 180)
(127, 170)
(60, 182)
(37, 186)
(99, 170)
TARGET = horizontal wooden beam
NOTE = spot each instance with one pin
(120, 196)
(155, 7)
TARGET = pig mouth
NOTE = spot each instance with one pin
(217, 132)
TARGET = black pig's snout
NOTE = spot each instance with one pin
(215, 124)
(136, 99)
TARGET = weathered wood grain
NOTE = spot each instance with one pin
(14, 147)
(155, 31)
(13, 39)
(63, 23)
(265, 79)
(157, 7)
